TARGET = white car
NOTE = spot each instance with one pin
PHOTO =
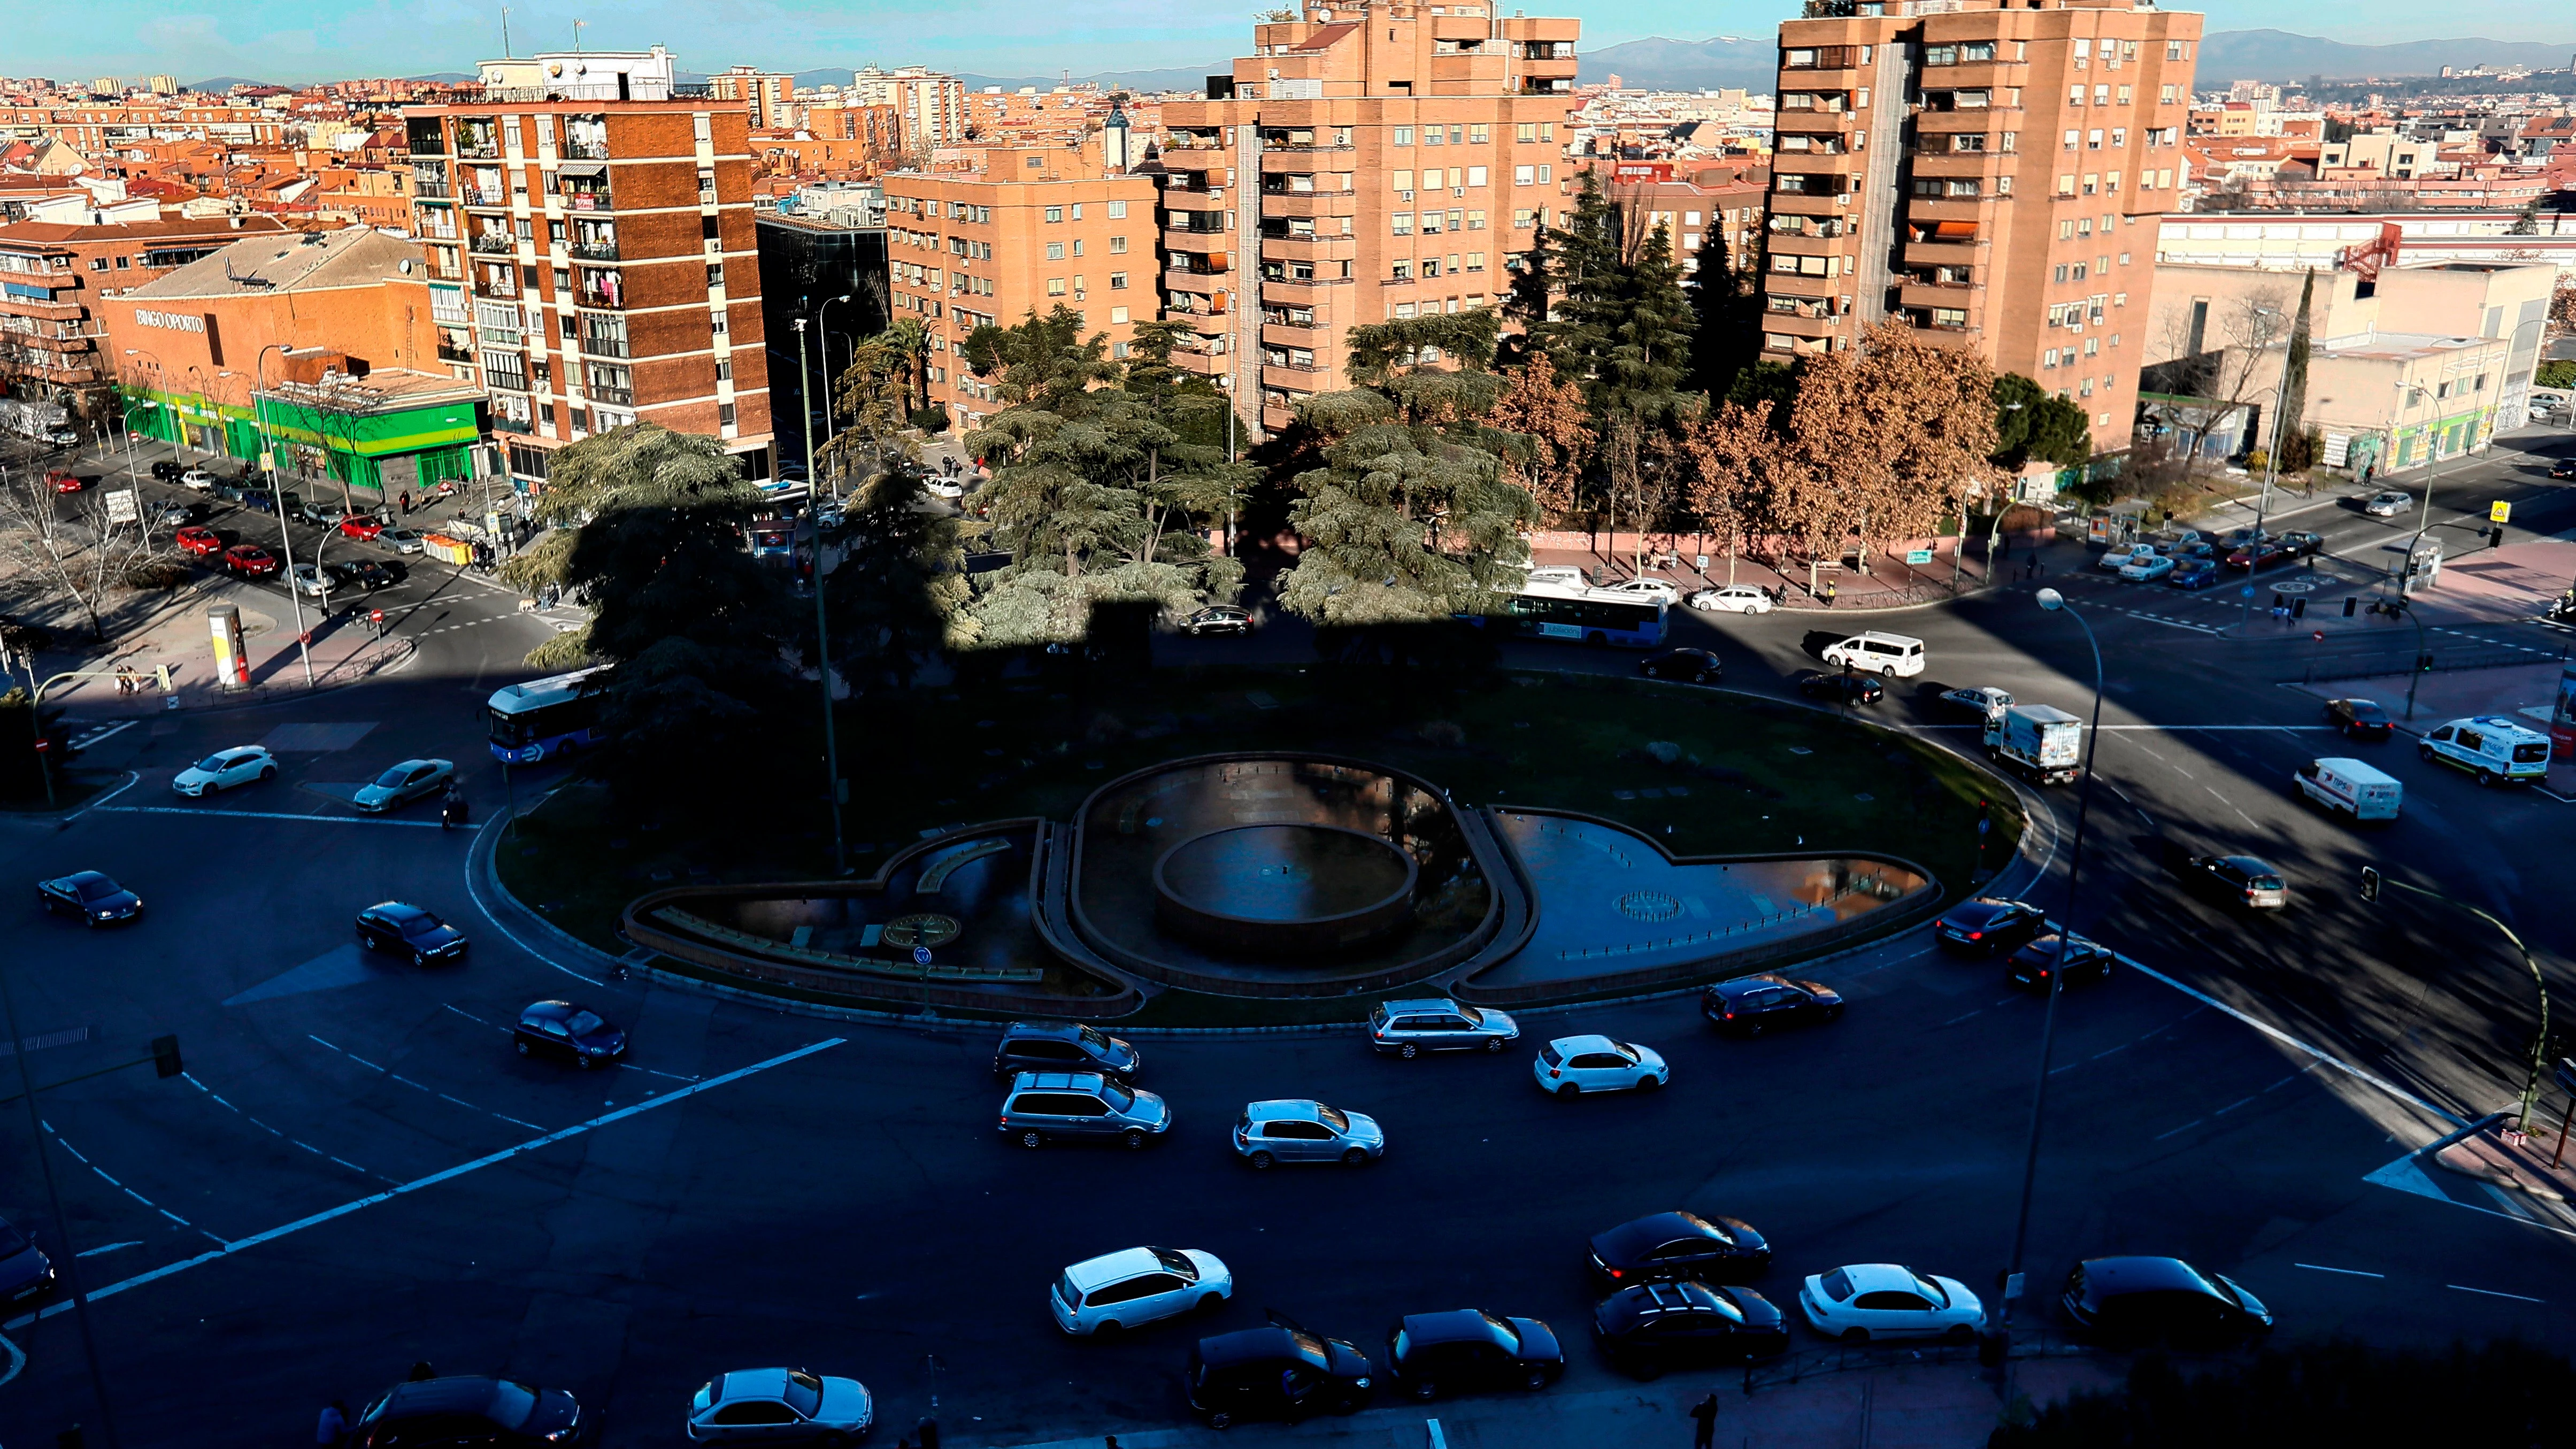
(198, 479)
(225, 769)
(1882, 1300)
(2388, 504)
(1648, 587)
(2121, 556)
(1985, 699)
(1121, 1290)
(943, 488)
(1732, 599)
(780, 1406)
(1571, 1065)
(2146, 566)
(311, 581)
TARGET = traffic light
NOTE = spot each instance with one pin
(2423, 663)
(165, 1056)
(2369, 883)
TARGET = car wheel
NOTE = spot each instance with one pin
(1261, 1161)
(2424, 753)
(1649, 1084)
(1569, 1090)
(835, 1440)
(1833, 1013)
(268, 772)
(1107, 1328)
(1425, 1389)
(1408, 1051)
(1033, 1138)
(1855, 1335)
(365, 941)
(1211, 1302)
(1132, 1138)
(417, 959)
(1888, 672)
(522, 1046)
(1347, 1406)
(585, 1061)
(1355, 1157)
(2486, 777)
(1220, 1421)
(1960, 1333)
(1493, 1044)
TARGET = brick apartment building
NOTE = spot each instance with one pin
(930, 108)
(1996, 176)
(591, 254)
(1695, 202)
(1364, 163)
(1035, 228)
(766, 96)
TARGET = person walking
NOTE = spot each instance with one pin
(333, 1430)
(405, 497)
(1704, 1423)
(1831, 593)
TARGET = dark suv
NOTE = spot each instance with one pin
(498, 1413)
(1752, 1005)
(1063, 1046)
(1279, 1372)
(26, 1274)
(1664, 1247)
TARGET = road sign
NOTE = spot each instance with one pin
(1918, 555)
(921, 955)
(2247, 591)
(2499, 512)
(375, 616)
(120, 507)
(2317, 634)
(268, 462)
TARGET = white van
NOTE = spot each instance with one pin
(2352, 787)
(2490, 747)
(1556, 579)
(1876, 653)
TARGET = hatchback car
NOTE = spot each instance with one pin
(1063, 1046)
(26, 1274)
(2139, 1300)
(2563, 468)
(2239, 880)
(1218, 619)
(2085, 961)
(163, 470)
(2120, 556)
(1692, 666)
(93, 897)
(780, 1406)
(311, 580)
(1044, 1107)
(1989, 924)
(364, 573)
(1299, 1131)
(563, 1029)
(250, 561)
(2360, 719)
(1732, 599)
(486, 1413)
(1752, 1005)
(2300, 544)
(225, 770)
(1128, 1289)
(1982, 699)
(1572, 1065)
(362, 526)
(1882, 1300)
(198, 540)
(2146, 568)
(1842, 688)
(1278, 1372)
(409, 930)
(1433, 1024)
(1429, 1354)
(64, 482)
(2193, 575)
(403, 784)
(2388, 504)
(403, 540)
(1669, 1247)
(1653, 1327)
(197, 479)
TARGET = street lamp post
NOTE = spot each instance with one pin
(268, 465)
(2054, 602)
(822, 629)
(2262, 503)
(2373, 881)
(823, 344)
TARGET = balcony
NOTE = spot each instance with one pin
(1925, 296)
(1799, 326)
(604, 250)
(455, 354)
(432, 190)
(495, 243)
(497, 288)
(610, 393)
(604, 347)
(588, 199)
(579, 148)
(1306, 379)
(477, 196)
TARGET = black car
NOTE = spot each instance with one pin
(1842, 688)
(26, 1274)
(1752, 1005)
(2303, 545)
(1989, 924)
(1063, 1046)
(1278, 1372)
(410, 931)
(2238, 880)
(1429, 1354)
(2563, 468)
(2359, 719)
(1694, 666)
(89, 895)
(1665, 1247)
(563, 1029)
(2085, 960)
(366, 574)
(486, 1413)
(1657, 1326)
(164, 470)
(2140, 1300)
(1218, 619)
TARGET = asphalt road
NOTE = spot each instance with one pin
(345, 1182)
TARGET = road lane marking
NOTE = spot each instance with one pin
(2178, 1131)
(2491, 1293)
(2347, 1272)
(89, 737)
(434, 1179)
(265, 815)
(2230, 1107)
(106, 1248)
(2285, 1039)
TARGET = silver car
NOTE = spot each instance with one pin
(1436, 1024)
(1273, 1132)
(2388, 504)
(1046, 1107)
(403, 784)
(402, 540)
(780, 1406)
(225, 769)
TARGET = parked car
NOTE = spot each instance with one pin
(1692, 666)
(1842, 688)
(1432, 1024)
(1429, 1354)
(1064, 1046)
(198, 541)
(1218, 619)
(563, 1029)
(2120, 556)
(780, 1406)
(1668, 1247)
(322, 514)
(198, 480)
(2140, 1300)
(1044, 1107)
(403, 540)
(1301, 1131)
(2360, 719)
(225, 770)
(1752, 1005)
(2197, 574)
(409, 930)
(1653, 1327)
(1572, 1065)
(402, 784)
(249, 561)
(164, 470)
(1989, 924)
(364, 574)
(1645, 589)
(1868, 1301)
(1731, 599)
(95, 898)
(2491, 747)
(1278, 1372)
(310, 580)
(2388, 504)
(486, 1413)
(26, 1274)
(362, 526)
(2085, 960)
(1136, 1286)
(2147, 568)
(2239, 880)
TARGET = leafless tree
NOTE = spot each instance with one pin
(69, 556)
(2216, 381)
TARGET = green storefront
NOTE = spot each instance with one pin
(382, 435)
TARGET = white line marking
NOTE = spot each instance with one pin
(2230, 1107)
(362, 1061)
(2491, 1293)
(353, 1167)
(74, 1151)
(673, 1076)
(2347, 1272)
(434, 1179)
(2285, 1039)
(106, 1248)
(308, 1036)
(87, 738)
(515, 1122)
(264, 815)
(459, 1101)
(503, 927)
(309, 1147)
(138, 1197)
(174, 1217)
(469, 1016)
(1980, 1011)
(406, 1081)
(2178, 1131)
(101, 1171)
(17, 1361)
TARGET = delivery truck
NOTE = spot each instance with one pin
(2044, 744)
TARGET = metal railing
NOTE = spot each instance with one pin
(595, 251)
(604, 347)
(577, 150)
(477, 196)
(601, 392)
(487, 242)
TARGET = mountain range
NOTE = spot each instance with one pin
(2277, 55)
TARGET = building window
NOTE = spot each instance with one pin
(1117, 211)
(1117, 314)
(1118, 246)
(1055, 251)
(1055, 213)
(715, 275)
(1403, 136)
(1055, 286)
(1118, 281)
(1403, 221)
(724, 414)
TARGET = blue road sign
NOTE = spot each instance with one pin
(921, 955)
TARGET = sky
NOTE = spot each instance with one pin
(292, 41)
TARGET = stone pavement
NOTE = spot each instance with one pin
(2491, 1156)
(1889, 583)
(343, 647)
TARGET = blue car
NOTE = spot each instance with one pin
(2198, 573)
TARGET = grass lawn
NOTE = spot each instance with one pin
(1761, 777)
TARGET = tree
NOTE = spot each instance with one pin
(2034, 425)
(1621, 326)
(2289, 424)
(1726, 330)
(872, 403)
(1723, 472)
(76, 560)
(1549, 411)
(2211, 387)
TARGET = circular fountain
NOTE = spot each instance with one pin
(1284, 889)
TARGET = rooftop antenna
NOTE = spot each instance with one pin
(576, 35)
(505, 32)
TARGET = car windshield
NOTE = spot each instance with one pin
(213, 763)
(585, 1023)
(1473, 1016)
(2365, 709)
(12, 1241)
(393, 777)
(1932, 1291)
(1499, 1326)
(1625, 1050)
(1837, 1285)
(1095, 1041)
(1176, 1264)
(804, 1393)
(1120, 1099)
(423, 924)
(1550, 1055)
(98, 888)
(1332, 1117)
(511, 1404)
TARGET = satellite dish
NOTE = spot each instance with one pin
(554, 67)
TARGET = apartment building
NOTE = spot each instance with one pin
(103, 125)
(1035, 228)
(1365, 163)
(1694, 202)
(592, 258)
(1995, 176)
(766, 96)
(930, 108)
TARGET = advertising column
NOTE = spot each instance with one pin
(232, 661)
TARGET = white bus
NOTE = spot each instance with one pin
(544, 718)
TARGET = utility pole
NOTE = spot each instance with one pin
(822, 629)
(2373, 881)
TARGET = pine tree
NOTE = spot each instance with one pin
(2290, 427)
(1726, 335)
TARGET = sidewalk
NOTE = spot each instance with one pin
(2520, 692)
(2524, 1166)
(1888, 583)
(343, 648)
(1950, 1406)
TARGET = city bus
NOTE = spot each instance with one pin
(544, 718)
(1590, 618)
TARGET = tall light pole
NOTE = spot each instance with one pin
(2373, 882)
(2262, 503)
(823, 344)
(2054, 602)
(268, 464)
(822, 629)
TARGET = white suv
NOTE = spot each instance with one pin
(1137, 1286)
(1875, 653)
(2490, 747)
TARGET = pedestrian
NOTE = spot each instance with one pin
(126, 683)
(405, 496)
(333, 1430)
(421, 1372)
(1831, 593)
(1704, 1422)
